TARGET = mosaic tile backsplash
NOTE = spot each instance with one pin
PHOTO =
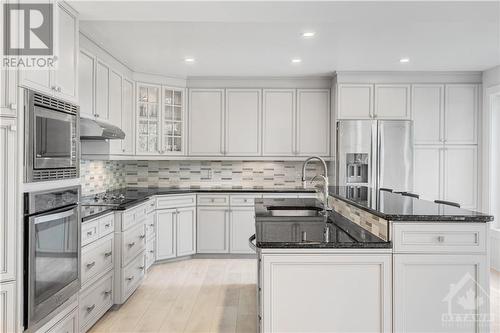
(99, 176)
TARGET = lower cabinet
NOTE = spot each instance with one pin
(455, 288)
(242, 227)
(328, 292)
(95, 300)
(213, 229)
(175, 232)
(8, 307)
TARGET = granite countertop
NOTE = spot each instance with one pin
(137, 195)
(287, 232)
(396, 207)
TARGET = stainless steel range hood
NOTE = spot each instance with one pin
(97, 130)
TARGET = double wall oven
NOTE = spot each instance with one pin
(51, 252)
(52, 138)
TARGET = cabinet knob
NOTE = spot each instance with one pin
(141, 268)
(97, 115)
(131, 244)
(142, 236)
(107, 293)
(107, 254)
(90, 265)
(54, 88)
(89, 233)
(130, 278)
(13, 106)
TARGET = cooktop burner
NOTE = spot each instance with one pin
(113, 199)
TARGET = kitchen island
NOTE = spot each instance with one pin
(406, 265)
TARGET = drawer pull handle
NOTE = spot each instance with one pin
(131, 244)
(89, 233)
(440, 239)
(107, 293)
(92, 264)
(141, 268)
(107, 225)
(90, 308)
(245, 200)
(107, 254)
(151, 251)
(142, 236)
(151, 225)
(130, 278)
(212, 200)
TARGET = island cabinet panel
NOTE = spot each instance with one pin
(242, 227)
(326, 292)
(436, 293)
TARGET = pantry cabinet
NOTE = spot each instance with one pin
(279, 122)
(8, 206)
(62, 81)
(428, 113)
(243, 122)
(206, 117)
(428, 161)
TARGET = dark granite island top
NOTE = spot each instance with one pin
(288, 232)
(396, 207)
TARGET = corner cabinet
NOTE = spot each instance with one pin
(160, 120)
(62, 81)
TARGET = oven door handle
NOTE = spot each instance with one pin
(56, 216)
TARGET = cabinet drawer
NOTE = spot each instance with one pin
(134, 216)
(243, 199)
(133, 242)
(132, 276)
(90, 231)
(150, 252)
(106, 225)
(175, 201)
(438, 238)
(97, 258)
(150, 225)
(95, 300)
(213, 200)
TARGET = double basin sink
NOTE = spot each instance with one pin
(300, 211)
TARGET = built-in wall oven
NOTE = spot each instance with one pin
(51, 251)
(52, 138)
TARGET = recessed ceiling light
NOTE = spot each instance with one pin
(308, 34)
(296, 60)
(404, 60)
(189, 59)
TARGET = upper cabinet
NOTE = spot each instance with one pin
(279, 122)
(368, 101)
(445, 114)
(160, 120)
(102, 90)
(86, 81)
(206, 116)
(461, 108)
(242, 122)
(128, 116)
(8, 92)
(427, 112)
(313, 122)
(62, 81)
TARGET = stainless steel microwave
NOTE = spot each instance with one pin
(52, 138)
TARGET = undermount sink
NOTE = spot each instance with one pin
(294, 211)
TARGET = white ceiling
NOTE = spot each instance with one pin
(260, 38)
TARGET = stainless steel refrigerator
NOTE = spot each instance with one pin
(375, 153)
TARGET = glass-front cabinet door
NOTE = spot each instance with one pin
(173, 121)
(148, 120)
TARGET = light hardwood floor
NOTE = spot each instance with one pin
(206, 295)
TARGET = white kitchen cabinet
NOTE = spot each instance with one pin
(392, 101)
(461, 113)
(62, 81)
(66, 74)
(454, 285)
(86, 80)
(313, 122)
(165, 234)
(115, 108)
(213, 229)
(206, 118)
(279, 122)
(174, 120)
(186, 231)
(328, 292)
(460, 180)
(354, 101)
(148, 119)
(243, 122)
(428, 161)
(242, 226)
(102, 90)
(128, 116)
(8, 307)
(8, 93)
(428, 113)
(8, 206)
